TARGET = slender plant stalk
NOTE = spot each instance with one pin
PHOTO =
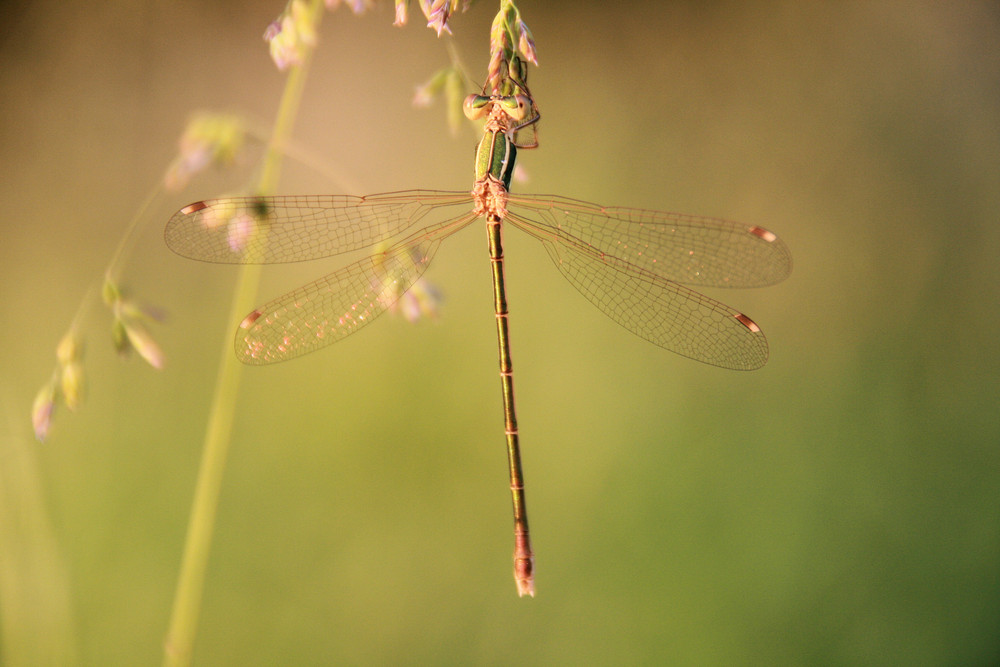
(128, 239)
(191, 581)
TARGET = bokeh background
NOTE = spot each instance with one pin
(839, 506)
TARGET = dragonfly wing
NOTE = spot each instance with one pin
(693, 250)
(525, 134)
(335, 306)
(661, 311)
(266, 230)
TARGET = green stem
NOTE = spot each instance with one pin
(191, 581)
(128, 239)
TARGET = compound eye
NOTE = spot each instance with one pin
(523, 107)
(516, 106)
(476, 106)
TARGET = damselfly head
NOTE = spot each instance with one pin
(516, 107)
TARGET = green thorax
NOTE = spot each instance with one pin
(495, 156)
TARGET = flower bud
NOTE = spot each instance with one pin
(42, 410)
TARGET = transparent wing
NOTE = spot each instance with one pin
(266, 230)
(525, 133)
(335, 306)
(628, 284)
(688, 249)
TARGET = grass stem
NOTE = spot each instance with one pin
(218, 435)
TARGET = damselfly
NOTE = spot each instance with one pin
(628, 262)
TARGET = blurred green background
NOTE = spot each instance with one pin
(839, 506)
